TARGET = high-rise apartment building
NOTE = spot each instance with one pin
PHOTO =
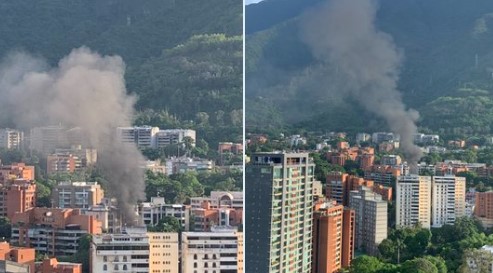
(333, 237)
(11, 139)
(127, 251)
(370, 219)
(47, 139)
(164, 253)
(216, 251)
(77, 194)
(483, 209)
(52, 231)
(279, 220)
(413, 201)
(448, 199)
(17, 195)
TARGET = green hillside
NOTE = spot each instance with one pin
(182, 56)
(446, 44)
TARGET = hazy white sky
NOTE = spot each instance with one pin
(247, 2)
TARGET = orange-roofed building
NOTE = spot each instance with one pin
(16, 170)
(21, 255)
(53, 266)
(206, 217)
(17, 196)
(333, 237)
(52, 231)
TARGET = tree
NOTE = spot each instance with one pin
(438, 262)
(476, 260)
(419, 265)
(167, 224)
(5, 228)
(43, 195)
(366, 264)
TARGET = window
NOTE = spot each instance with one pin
(116, 267)
(124, 267)
(194, 265)
(105, 267)
(124, 258)
(195, 256)
(105, 259)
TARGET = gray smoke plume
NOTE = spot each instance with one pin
(342, 34)
(86, 90)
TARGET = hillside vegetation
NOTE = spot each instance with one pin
(446, 46)
(183, 57)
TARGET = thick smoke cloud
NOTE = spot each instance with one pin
(342, 35)
(86, 90)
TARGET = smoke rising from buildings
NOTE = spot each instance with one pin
(85, 90)
(342, 34)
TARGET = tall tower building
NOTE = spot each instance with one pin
(279, 195)
(370, 219)
(448, 199)
(413, 201)
(333, 237)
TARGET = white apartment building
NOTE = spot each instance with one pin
(47, 139)
(151, 213)
(11, 139)
(164, 252)
(153, 137)
(115, 253)
(218, 251)
(81, 195)
(232, 199)
(370, 219)
(143, 136)
(174, 136)
(176, 165)
(448, 199)
(413, 201)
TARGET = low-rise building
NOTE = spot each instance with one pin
(151, 213)
(206, 217)
(21, 257)
(217, 199)
(52, 265)
(15, 171)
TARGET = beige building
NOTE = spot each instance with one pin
(370, 219)
(220, 199)
(413, 201)
(77, 194)
(220, 250)
(163, 252)
(448, 199)
(128, 251)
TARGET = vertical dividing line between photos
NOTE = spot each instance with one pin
(244, 135)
